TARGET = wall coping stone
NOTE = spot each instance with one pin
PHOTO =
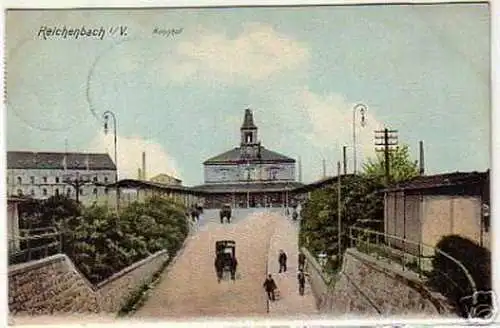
(130, 268)
(409, 278)
(28, 266)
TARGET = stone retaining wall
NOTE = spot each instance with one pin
(318, 280)
(367, 286)
(54, 285)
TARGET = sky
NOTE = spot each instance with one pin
(179, 81)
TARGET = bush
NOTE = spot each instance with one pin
(101, 243)
(361, 206)
(477, 261)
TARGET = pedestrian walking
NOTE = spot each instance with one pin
(302, 261)
(270, 286)
(282, 261)
(301, 277)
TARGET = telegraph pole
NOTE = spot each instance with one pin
(339, 221)
(387, 139)
(344, 150)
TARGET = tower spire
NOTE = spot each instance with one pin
(248, 130)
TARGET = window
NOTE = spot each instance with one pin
(248, 137)
(19, 180)
(32, 179)
(274, 174)
(95, 179)
(44, 179)
(57, 192)
(81, 191)
(19, 192)
(57, 179)
(32, 192)
(95, 191)
(106, 191)
(68, 192)
(44, 191)
(106, 179)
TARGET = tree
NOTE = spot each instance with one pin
(401, 167)
(361, 206)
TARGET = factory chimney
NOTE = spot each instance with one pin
(421, 162)
(144, 165)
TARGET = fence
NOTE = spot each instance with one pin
(34, 244)
(415, 257)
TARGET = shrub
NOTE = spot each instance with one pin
(477, 261)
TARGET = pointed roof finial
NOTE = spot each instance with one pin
(248, 120)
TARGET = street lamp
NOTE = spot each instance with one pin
(106, 116)
(362, 110)
(248, 183)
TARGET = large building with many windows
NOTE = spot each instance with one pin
(249, 175)
(41, 175)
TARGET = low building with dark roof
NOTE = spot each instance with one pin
(132, 190)
(427, 208)
(43, 174)
(249, 175)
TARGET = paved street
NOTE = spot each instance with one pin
(190, 289)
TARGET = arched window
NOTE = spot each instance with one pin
(19, 192)
(44, 191)
(19, 180)
(95, 191)
(57, 192)
(32, 192)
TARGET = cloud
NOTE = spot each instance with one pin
(130, 155)
(331, 119)
(257, 53)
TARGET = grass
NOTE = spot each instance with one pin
(137, 299)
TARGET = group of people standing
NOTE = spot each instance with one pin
(270, 285)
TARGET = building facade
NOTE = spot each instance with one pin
(428, 208)
(249, 175)
(166, 179)
(41, 175)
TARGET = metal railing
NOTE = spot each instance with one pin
(411, 256)
(34, 244)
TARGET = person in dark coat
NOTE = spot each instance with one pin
(282, 260)
(270, 286)
(302, 261)
(301, 277)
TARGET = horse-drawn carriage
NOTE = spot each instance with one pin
(225, 258)
(225, 212)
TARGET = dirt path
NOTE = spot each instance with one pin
(190, 289)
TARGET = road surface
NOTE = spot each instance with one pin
(189, 289)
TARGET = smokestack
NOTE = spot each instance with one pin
(144, 165)
(344, 155)
(300, 169)
(139, 174)
(422, 163)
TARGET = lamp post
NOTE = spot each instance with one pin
(248, 184)
(362, 110)
(106, 116)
